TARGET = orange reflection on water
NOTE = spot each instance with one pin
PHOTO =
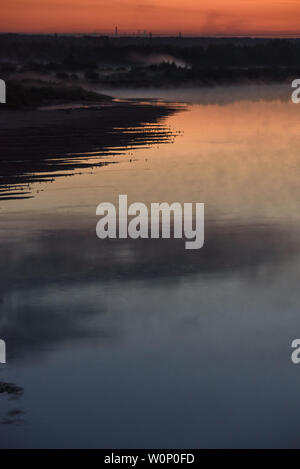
(241, 159)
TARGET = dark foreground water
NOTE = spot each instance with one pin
(124, 344)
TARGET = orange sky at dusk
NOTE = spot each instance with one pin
(206, 17)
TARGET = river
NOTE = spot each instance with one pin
(142, 344)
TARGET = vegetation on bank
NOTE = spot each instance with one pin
(31, 95)
(171, 75)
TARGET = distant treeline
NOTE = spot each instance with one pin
(138, 60)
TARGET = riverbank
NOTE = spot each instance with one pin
(39, 144)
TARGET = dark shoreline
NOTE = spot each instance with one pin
(39, 145)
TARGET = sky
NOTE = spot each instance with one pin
(195, 17)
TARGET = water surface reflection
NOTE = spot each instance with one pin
(142, 343)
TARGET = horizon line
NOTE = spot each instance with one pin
(148, 34)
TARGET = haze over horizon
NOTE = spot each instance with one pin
(214, 17)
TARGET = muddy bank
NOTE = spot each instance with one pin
(38, 145)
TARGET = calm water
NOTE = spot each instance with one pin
(124, 344)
